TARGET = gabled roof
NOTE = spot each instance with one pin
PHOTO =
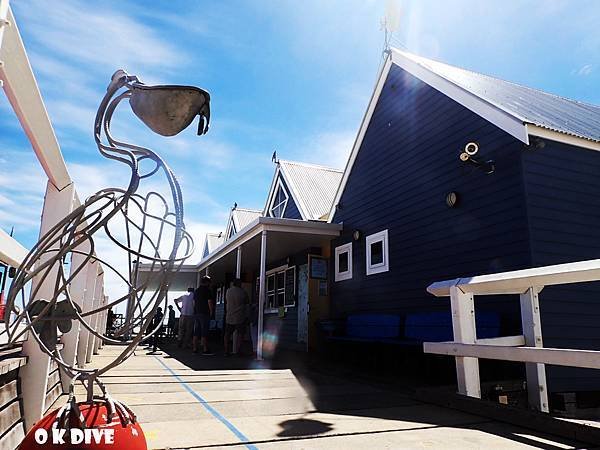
(518, 110)
(240, 218)
(212, 241)
(527, 104)
(311, 186)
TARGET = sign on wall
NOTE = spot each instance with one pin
(318, 267)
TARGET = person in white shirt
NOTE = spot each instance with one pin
(185, 304)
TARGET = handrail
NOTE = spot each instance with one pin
(528, 348)
(518, 281)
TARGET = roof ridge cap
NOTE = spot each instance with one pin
(317, 166)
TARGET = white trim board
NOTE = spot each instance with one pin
(551, 135)
(384, 266)
(297, 199)
(280, 173)
(11, 252)
(279, 187)
(346, 275)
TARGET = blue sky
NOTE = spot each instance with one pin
(283, 75)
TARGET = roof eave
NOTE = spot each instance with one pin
(570, 139)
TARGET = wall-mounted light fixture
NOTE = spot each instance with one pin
(452, 199)
(356, 235)
(468, 156)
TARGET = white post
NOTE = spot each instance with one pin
(100, 327)
(88, 303)
(238, 265)
(463, 326)
(537, 391)
(262, 294)
(238, 275)
(70, 340)
(94, 319)
(34, 375)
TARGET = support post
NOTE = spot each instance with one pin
(238, 275)
(238, 265)
(463, 326)
(537, 391)
(34, 375)
(94, 318)
(100, 327)
(262, 294)
(70, 340)
(88, 303)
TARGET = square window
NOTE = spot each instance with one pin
(343, 262)
(377, 253)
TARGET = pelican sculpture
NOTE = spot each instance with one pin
(147, 227)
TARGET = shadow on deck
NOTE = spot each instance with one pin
(185, 400)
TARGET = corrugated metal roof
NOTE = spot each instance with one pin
(243, 217)
(527, 104)
(314, 186)
(213, 240)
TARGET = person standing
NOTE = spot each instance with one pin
(171, 321)
(204, 308)
(185, 304)
(157, 322)
(236, 317)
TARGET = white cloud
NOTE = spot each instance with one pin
(23, 184)
(585, 70)
(98, 36)
(330, 148)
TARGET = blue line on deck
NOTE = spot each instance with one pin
(241, 436)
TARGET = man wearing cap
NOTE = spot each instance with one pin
(204, 307)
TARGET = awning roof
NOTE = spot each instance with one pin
(285, 237)
(299, 228)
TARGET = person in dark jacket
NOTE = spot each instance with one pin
(204, 308)
(156, 322)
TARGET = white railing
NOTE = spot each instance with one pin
(527, 348)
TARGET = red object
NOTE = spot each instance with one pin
(2, 306)
(124, 437)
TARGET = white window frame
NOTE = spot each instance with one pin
(278, 189)
(383, 266)
(273, 273)
(347, 275)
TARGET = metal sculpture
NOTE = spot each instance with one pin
(147, 228)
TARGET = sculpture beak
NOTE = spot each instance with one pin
(168, 110)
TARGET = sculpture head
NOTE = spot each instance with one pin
(168, 110)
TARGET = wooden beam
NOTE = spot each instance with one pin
(34, 376)
(508, 341)
(587, 359)
(519, 281)
(11, 252)
(537, 390)
(463, 326)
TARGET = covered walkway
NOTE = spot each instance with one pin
(189, 401)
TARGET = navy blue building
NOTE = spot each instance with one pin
(413, 212)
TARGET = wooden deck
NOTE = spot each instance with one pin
(190, 401)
